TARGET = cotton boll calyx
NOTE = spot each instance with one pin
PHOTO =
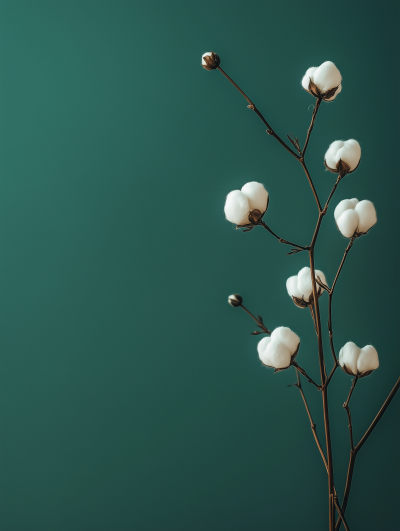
(284, 335)
(343, 156)
(348, 357)
(323, 82)
(367, 361)
(247, 206)
(347, 223)
(210, 61)
(366, 216)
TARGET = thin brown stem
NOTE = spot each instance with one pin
(313, 316)
(313, 425)
(379, 416)
(251, 106)
(314, 191)
(314, 116)
(259, 323)
(281, 240)
(353, 453)
(332, 373)
(346, 526)
(324, 391)
(330, 294)
(303, 372)
(347, 408)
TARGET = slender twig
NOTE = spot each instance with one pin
(281, 240)
(314, 116)
(331, 374)
(314, 191)
(353, 453)
(379, 416)
(330, 293)
(347, 408)
(346, 526)
(251, 106)
(313, 316)
(303, 372)
(259, 323)
(313, 425)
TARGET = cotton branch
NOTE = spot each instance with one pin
(297, 247)
(313, 425)
(271, 132)
(236, 301)
(353, 453)
(303, 372)
(346, 406)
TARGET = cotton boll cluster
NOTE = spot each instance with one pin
(355, 218)
(358, 361)
(323, 82)
(300, 287)
(210, 61)
(279, 350)
(248, 205)
(343, 156)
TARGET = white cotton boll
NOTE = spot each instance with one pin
(368, 359)
(237, 208)
(349, 153)
(327, 76)
(284, 335)
(307, 76)
(348, 356)
(257, 196)
(339, 90)
(366, 214)
(346, 204)
(207, 54)
(330, 155)
(348, 223)
(278, 355)
(262, 349)
(354, 201)
(291, 286)
(304, 283)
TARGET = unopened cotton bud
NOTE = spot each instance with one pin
(257, 196)
(323, 81)
(366, 215)
(284, 335)
(262, 350)
(237, 208)
(347, 223)
(277, 355)
(235, 300)
(343, 156)
(368, 359)
(210, 61)
(348, 357)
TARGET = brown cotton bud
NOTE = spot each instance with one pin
(235, 300)
(210, 61)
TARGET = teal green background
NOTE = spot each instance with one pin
(131, 394)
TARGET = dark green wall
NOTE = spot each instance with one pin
(131, 394)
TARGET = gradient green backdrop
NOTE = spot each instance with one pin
(131, 394)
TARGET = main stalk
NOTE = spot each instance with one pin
(324, 395)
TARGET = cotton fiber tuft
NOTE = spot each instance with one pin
(240, 203)
(355, 218)
(279, 350)
(358, 361)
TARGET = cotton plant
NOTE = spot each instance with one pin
(280, 349)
